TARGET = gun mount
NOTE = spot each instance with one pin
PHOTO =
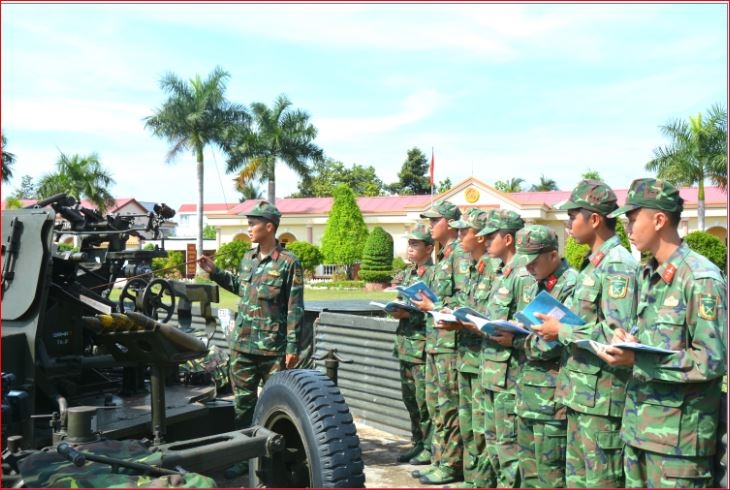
(92, 392)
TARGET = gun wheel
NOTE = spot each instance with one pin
(132, 291)
(158, 297)
(322, 448)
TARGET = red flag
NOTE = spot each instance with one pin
(432, 164)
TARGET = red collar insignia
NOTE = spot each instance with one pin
(550, 282)
(597, 259)
(668, 273)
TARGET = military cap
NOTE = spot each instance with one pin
(592, 195)
(533, 240)
(266, 211)
(421, 233)
(471, 218)
(502, 219)
(442, 209)
(651, 193)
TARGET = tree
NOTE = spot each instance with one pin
(13, 202)
(710, 246)
(414, 177)
(80, 177)
(444, 185)
(345, 232)
(377, 257)
(8, 161)
(310, 256)
(545, 185)
(280, 133)
(248, 190)
(591, 175)
(698, 151)
(326, 175)
(26, 189)
(512, 185)
(229, 255)
(196, 114)
(209, 232)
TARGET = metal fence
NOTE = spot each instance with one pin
(371, 383)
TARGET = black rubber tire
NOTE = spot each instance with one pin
(322, 446)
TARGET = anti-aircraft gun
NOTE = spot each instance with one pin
(90, 393)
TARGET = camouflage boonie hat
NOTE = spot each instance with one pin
(502, 219)
(421, 233)
(533, 240)
(592, 195)
(443, 209)
(471, 218)
(651, 193)
(266, 211)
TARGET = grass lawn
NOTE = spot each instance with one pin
(230, 300)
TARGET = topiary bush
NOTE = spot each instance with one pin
(377, 257)
(710, 246)
(310, 256)
(229, 255)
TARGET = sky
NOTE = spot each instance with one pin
(495, 90)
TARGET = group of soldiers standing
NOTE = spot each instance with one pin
(538, 411)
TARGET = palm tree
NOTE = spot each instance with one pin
(196, 114)
(280, 133)
(698, 151)
(512, 185)
(545, 185)
(248, 190)
(80, 177)
(8, 161)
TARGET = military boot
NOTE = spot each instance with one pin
(406, 456)
(442, 475)
(423, 457)
(423, 471)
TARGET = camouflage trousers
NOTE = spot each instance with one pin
(478, 470)
(646, 469)
(442, 393)
(501, 436)
(542, 445)
(247, 371)
(594, 457)
(413, 389)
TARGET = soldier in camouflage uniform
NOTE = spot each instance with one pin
(271, 285)
(605, 298)
(541, 420)
(672, 401)
(478, 472)
(410, 344)
(442, 392)
(510, 292)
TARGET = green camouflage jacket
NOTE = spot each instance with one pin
(605, 298)
(475, 295)
(538, 377)
(673, 400)
(449, 277)
(512, 291)
(410, 335)
(272, 302)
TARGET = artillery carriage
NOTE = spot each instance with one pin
(92, 393)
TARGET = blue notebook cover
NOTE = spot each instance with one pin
(391, 306)
(416, 289)
(596, 347)
(546, 304)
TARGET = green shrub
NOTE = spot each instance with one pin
(229, 255)
(170, 267)
(377, 257)
(310, 256)
(710, 246)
